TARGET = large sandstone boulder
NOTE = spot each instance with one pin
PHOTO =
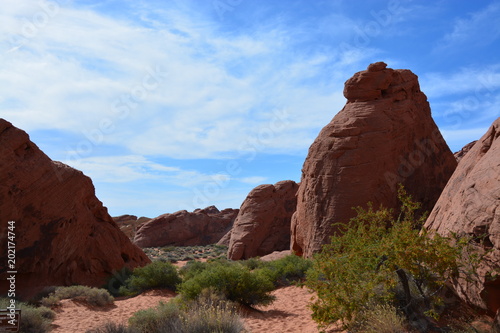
(183, 228)
(63, 234)
(383, 136)
(470, 203)
(263, 223)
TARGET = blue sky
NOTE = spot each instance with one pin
(179, 104)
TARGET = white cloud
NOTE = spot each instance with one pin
(254, 180)
(131, 168)
(479, 29)
(468, 80)
(218, 92)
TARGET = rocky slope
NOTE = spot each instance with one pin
(63, 233)
(470, 205)
(384, 135)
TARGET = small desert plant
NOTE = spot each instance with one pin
(204, 317)
(33, 319)
(114, 328)
(234, 281)
(380, 318)
(93, 296)
(211, 312)
(164, 318)
(158, 274)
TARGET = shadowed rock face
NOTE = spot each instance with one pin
(64, 235)
(182, 228)
(470, 204)
(383, 136)
(263, 223)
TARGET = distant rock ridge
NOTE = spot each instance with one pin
(64, 235)
(383, 136)
(465, 149)
(129, 224)
(200, 227)
(263, 223)
(470, 205)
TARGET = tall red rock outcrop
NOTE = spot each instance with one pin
(183, 228)
(263, 223)
(63, 234)
(470, 204)
(383, 136)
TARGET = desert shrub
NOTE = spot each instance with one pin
(192, 268)
(114, 328)
(117, 280)
(158, 274)
(33, 319)
(287, 270)
(372, 255)
(164, 318)
(203, 317)
(253, 263)
(211, 312)
(234, 281)
(380, 318)
(93, 296)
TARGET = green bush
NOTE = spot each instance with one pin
(234, 281)
(158, 274)
(114, 328)
(93, 296)
(117, 280)
(287, 270)
(33, 319)
(164, 318)
(374, 254)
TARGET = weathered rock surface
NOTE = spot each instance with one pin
(129, 224)
(183, 228)
(63, 234)
(470, 203)
(465, 149)
(263, 223)
(383, 136)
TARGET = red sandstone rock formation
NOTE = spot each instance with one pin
(384, 135)
(461, 153)
(129, 224)
(182, 228)
(470, 203)
(263, 223)
(63, 234)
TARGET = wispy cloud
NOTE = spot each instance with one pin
(131, 168)
(477, 29)
(254, 180)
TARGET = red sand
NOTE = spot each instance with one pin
(289, 313)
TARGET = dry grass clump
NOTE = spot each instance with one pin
(93, 296)
(380, 318)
